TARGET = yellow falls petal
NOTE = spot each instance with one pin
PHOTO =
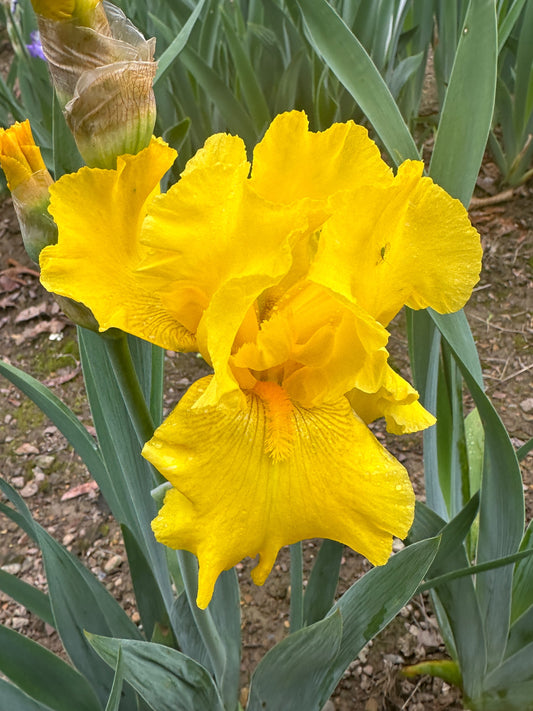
(234, 496)
(405, 243)
(99, 214)
(292, 163)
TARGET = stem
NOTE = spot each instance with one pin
(203, 619)
(124, 370)
(297, 608)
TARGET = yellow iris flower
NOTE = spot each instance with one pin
(58, 10)
(284, 279)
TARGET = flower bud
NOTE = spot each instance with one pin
(103, 70)
(28, 180)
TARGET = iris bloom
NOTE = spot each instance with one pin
(103, 70)
(28, 180)
(284, 279)
(60, 10)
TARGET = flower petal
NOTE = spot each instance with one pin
(233, 497)
(99, 215)
(407, 243)
(396, 400)
(292, 163)
(19, 156)
(318, 345)
(226, 245)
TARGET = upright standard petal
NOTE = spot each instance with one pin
(226, 245)
(250, 480)
(405, 243)
(292, 163)
(99, 214)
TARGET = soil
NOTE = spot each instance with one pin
(35, 458)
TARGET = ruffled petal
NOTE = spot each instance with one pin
(250, 480)
(225, 246)
(396, 400)
(99, 215)
(316, 346)
(407, 243)
(292, 163)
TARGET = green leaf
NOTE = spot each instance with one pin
(501, 516)
(25, 594)
(175, 136)
(507, 697)
(237, 119)
(173, 51)
(521, 633)
(148, 361)
(523, 578)
(67, 158)
(62, 417)
(251, 88)
(424, 354)
(523, 87)
(113, 703)
(15, 698)
(475, 444)
(192, 626)
(166, 679)
(511, 15)
(457, 605)
(78, 602)
(475, 569)
(468, 106)
(291, 676)
(404, 71)
(42, 675)
(349, 61)
(322, 584)
(373, 601)
(514, 671)
(150, 603)
(130, 476)
(452, 534)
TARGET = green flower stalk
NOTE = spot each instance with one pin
(103, 70)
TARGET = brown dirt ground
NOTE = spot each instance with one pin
(36, 459)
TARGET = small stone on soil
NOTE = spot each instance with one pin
(113, 563)
(31, 488)
(12, 568)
